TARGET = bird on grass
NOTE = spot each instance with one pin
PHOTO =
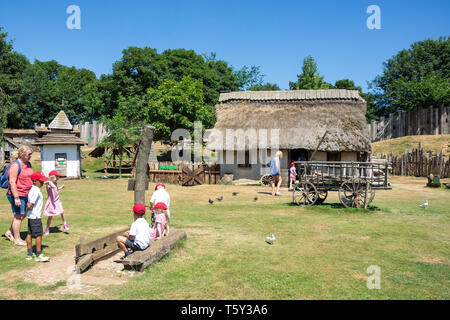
(255, 199)
(271, 239)
(210, 201)
(424, 205)
(220, 198)
(235, 193)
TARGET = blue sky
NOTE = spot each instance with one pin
(275, 35)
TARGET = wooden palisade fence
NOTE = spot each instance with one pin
(419, 163)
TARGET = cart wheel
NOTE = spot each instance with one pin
(352, 193)
(321, 196)
(304, 194)
(266, 180)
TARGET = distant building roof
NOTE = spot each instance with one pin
(59, 139)
(19, 132)
(61, 122)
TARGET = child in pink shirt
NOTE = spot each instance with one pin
(292, 175)
(53, 206)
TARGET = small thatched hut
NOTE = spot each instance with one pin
(298, 119)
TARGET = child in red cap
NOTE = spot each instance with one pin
(161, 224)
(138, 238)
(34, 215)
(292, 175)
(53, 206)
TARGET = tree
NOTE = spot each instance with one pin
(413, 78)
(265, 87)
(309, 78)
(248, 77)
(140, 69)
(172, 105)
(176, 105)
(123, 132)
(346, 84)
(12, 64)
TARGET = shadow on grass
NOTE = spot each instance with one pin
(336, 205)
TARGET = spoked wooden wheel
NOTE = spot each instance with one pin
(352, 193)
(321, 196)
(304, 194)
(266, 180)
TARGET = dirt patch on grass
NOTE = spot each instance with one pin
(61, 268)
(360, 276)
(432, 259)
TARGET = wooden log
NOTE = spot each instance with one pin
(142, 164)
(106, 245)
(139, 260)
(84, 262)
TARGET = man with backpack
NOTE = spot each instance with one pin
(16, 178)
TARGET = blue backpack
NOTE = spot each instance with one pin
(4, 179)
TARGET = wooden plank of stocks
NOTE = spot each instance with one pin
(139, 260)
(87, 253)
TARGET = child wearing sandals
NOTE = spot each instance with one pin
(161, 224)
(34, 215)
(53, 206)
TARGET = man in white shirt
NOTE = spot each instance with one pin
(160, 195)
(138, 238)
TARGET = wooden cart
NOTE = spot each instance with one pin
(355, 182)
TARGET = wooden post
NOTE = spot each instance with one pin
(365, 193)
(142, 163)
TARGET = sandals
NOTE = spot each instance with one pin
(9, 235)
(20, 243)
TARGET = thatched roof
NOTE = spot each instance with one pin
(301, 116)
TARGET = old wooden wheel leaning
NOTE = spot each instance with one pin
(266, 180)
(321, 196)
(352, 193)
(304, 194)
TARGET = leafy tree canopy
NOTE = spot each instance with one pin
(265, 87)
(310, 77)
(416, 77)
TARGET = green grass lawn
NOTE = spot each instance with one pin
(321, 252)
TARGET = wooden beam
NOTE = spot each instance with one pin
(139, 260)
(142, 164)
(87, 253)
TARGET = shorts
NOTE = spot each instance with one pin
(276, 178)
(35, 227)
(130, 244)
(23, 204)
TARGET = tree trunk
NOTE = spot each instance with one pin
(141, 174)
(120, 164)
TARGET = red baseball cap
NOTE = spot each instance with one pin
(292, 164)
(54, 173)
(38, 176)
(160, 205)
(160, 184)
(139, 208)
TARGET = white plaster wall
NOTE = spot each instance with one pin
(48, 159)
(348, 156)
(320, 156)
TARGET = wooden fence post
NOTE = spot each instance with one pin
(142, 163)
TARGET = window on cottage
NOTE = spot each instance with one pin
(246, 163)
(333, 156)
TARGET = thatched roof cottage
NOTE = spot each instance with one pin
(298, 119)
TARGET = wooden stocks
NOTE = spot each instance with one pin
(141, 174)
